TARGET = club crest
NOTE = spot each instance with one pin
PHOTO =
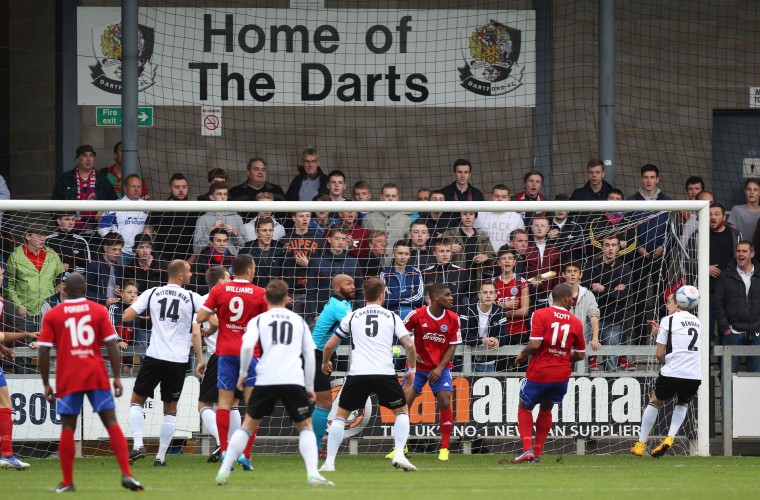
(491, 60)
(106, 44)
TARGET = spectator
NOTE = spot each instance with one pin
(249, 228)
(72, 248)
(300, 243)
(55, 299)
(445, 272)
(694, 186)
(461, 189)
(126, 330)
(404, 289)
(336, 185)
(596, 188)
(532, 183)
(214, 175)
(268, 254)
(689, 239)
(498, 226)
(419, 236)
(321, 221)
(519, 241)
(471, 251)
(612, 223)
(333, 260)
(113, 173)
(104, 276)
(127, 223)
(146, 271)
(483, 323)
(437, 222)
(372, 265)
(217, 253)
(394, 224)
(542, 258)
(5, 194)
(358, 236)
(651, 243)
(362, 191)
(737, 299)
(174, 230)
(609, 279)
(310, 180)
(745, 217)
(229, 221)
(565, 234)
(84, 183)
(256, 182)
(584, 306)
(513, 296)
(32, 271)
(423, 194)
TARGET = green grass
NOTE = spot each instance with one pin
(464, 477)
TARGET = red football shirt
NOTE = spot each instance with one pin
(235, 303)
(512, 290)
(433, 336)
(560, 332)
(77, 328)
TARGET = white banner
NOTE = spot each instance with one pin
(325, 57)
(36, 420)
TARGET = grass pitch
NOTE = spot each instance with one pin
(463, 477)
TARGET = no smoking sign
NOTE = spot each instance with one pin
(211, 121)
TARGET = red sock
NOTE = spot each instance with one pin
(119, 447)
(543, 425)
(66, 452)
(446, 420)
(251, 439)
(223, 426)
(6, 432)
(525, 427)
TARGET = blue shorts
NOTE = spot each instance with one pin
(71, 404)
(533, 393)
(442, 384)
(3, 382)
(229, 369)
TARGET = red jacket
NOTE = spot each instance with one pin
(535, 265)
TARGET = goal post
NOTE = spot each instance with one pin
(485, 401)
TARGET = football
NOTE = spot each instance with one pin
(687, 297)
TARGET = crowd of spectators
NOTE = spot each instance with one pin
(500, 266)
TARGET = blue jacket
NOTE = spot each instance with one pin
(329, 319)
(98, 274)
(321, 271)
(403, 289)
(652, 230)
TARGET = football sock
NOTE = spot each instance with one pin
(249, 444)
(679, 414)
(209, 420)
(234, 449)
(119, 448)
(400, 433)
(525, 427)
(543, 424)
(235, 420)
(446, 419)
(648, 418)
(223, 426)
(307, 447)
(319, 421)
(334, 438)
(66, 451)
(165, 436)
(6, 432)
(136, 422)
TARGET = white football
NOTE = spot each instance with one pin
(687, 297)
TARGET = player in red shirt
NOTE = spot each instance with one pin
(556, 341)
(436, 337)
(78, 327)
(235, 303)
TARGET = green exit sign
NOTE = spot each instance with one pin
(111, 116)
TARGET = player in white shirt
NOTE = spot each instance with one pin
(371, 331)
(284, 373)
(678, 343)
(172, 311)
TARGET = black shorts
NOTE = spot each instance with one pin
(322, 381)
(170, 375)
(293, 397)
(209, 392)
(683, 388)
(358, 388)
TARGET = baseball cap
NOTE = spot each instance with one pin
(84, 148)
